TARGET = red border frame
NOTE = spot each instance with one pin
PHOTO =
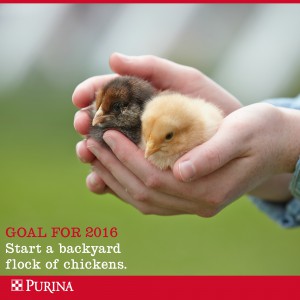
(161, 287)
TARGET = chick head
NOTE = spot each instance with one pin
(172, 125)
(168, 129)
(121, 101)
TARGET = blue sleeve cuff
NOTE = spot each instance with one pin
(285, 214)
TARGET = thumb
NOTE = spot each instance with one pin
(208, 157)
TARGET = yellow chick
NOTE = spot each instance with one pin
(173, 124)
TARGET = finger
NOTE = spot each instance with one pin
(226, 145)
(83, 153)
(135, 187)
(82, 122)
(162, 73)
(95, 184)
(123, 193)
(84, 93)
(133, 158)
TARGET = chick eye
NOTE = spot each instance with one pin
(169, 136)
(116, 107)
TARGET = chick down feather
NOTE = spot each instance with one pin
(119, 105)
(173, 124)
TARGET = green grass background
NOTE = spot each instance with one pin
(43, 184)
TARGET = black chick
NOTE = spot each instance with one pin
(119, 105)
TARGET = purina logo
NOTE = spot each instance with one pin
(17, 285)
(29, 285)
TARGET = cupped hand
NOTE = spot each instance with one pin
(163, 74)
(246, 151)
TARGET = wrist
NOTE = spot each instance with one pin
(291, 146)
(276, 189)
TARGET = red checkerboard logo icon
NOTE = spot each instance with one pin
(16, 285)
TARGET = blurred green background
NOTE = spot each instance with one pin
(43, 183)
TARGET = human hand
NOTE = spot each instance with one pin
(258, 143)
(163, 74)
(248, 149)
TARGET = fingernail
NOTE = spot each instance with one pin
(186, 170)
(92, 179)
(109, 140)
(78, 145)
(76, 116)
(93, 148)
(124, 57)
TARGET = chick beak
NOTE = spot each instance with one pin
(150, 148)
(98, 118)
